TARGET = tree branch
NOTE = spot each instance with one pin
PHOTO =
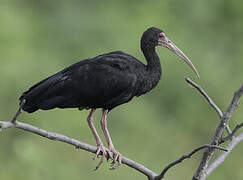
(208, 153)
(202, 171)
(77, 144)
(230, 136)
(210, 101)
(87, 147)
(220, 159)
(205, 95)
(18, 112)
(186, 156)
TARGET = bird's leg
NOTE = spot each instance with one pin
(117, 157)
(100, 145)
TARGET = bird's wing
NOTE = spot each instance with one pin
(88, 83)
(107, 85)
(35, 94)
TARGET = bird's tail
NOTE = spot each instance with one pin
(26, 104)
(35, 95)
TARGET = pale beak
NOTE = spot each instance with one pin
(164, 41)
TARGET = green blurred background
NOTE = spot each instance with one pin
(39, 38)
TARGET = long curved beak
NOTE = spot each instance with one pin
(164, 41)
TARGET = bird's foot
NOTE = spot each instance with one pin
(105, 153)
(116, 158)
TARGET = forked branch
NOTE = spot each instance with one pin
(220, 159)
(186, 156)
(217, 138)
(230, 136)
(203, 170)
(87, 147)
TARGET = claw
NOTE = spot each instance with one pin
(110, 155)
(105, 153)
(97, 152)
(117, 158)
(101, 161)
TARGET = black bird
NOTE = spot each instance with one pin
(105, 81)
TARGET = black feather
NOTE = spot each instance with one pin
(105, 81)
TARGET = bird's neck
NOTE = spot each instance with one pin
(153, 70)
(153, 61)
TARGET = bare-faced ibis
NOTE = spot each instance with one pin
(105, 81)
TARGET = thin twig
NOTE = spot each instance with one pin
(201, 171)
(208, 153)
(230, 136)
(78, 144)
(186, 156)
(220, 159)
(210, 101)
(18, 112)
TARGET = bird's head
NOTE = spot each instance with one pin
(156, 37)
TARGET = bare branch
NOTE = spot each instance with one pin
(208, 153)
(210, 101)
(219, 160)
(18, 112)
(186, 156)
(203, 170)
(230, 136)
(234, 103)
(78, 144)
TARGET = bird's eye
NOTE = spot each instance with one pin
(161, 35)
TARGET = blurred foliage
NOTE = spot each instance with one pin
(39, 38)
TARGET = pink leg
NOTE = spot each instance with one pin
(100, 146)
(117, 157)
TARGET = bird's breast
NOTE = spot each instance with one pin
(147, 82)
